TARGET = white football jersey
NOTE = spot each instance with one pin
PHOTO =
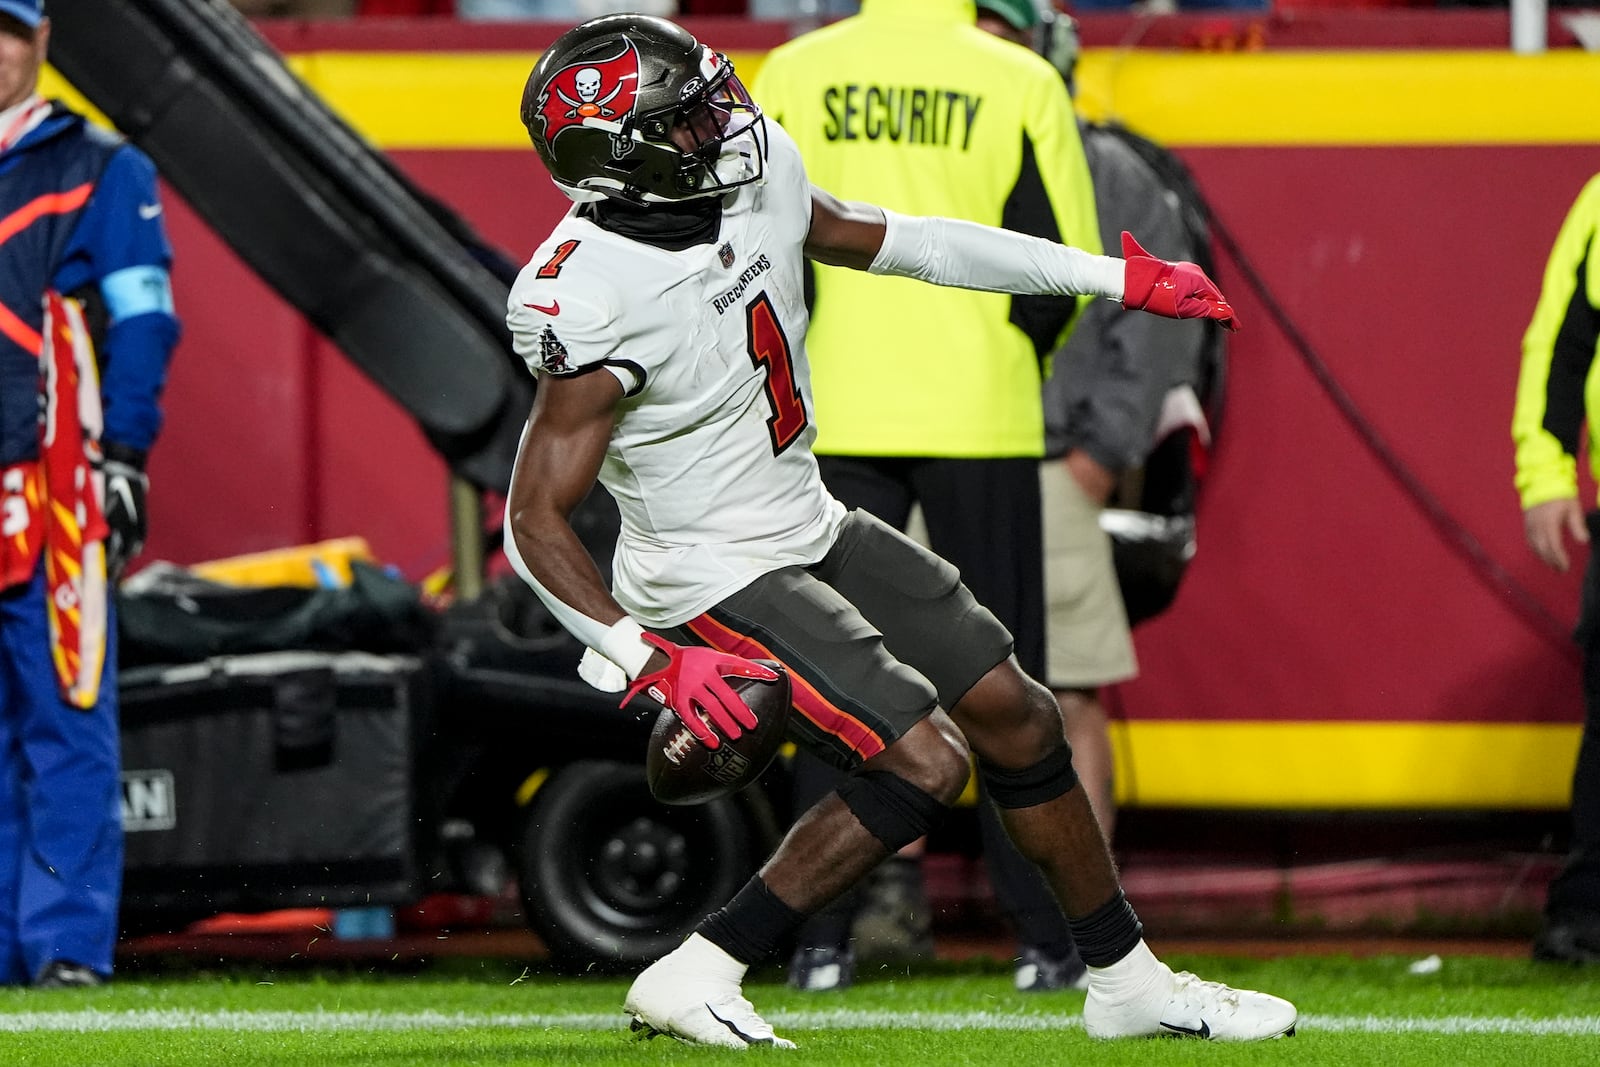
(710, 459)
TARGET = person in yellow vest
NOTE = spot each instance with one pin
(924, 396)
(1555, 390)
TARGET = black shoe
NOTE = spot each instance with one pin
(819, 969)
(64, 974)
(1039, 972)
(1574, 941)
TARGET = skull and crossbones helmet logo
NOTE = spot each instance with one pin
(603, 89)
(590, 103)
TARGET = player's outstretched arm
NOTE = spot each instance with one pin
(964, 255)
(968, 255)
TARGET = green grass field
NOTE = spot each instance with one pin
(1471, 1011)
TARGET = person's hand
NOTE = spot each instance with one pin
(1096, 480)
(1176, 290)
(1544, 524)
(692, 685)
(126, 489)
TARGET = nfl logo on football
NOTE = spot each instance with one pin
(727, 765)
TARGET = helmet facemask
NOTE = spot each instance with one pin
(716, 131)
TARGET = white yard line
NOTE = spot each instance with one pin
(375, 1021)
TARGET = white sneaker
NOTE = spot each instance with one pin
(692, 994)
(1181, 1005)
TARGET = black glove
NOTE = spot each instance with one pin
(126, 488)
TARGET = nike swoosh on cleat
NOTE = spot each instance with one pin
(1203, 1032)
(553, 310)
(734, 1030)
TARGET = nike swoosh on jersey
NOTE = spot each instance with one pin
(149, 211)
(553, 310)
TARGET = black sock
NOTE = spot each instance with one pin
(1108, 933)
(751, 926)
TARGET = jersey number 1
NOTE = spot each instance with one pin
(769, 348)
(552, 267)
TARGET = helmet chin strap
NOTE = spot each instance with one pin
(744, 163)
(746, 154)
(577, 195)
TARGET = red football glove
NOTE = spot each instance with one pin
(1176, 290)
(692, 685)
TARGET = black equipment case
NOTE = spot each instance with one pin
(282, 779)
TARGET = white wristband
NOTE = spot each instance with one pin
(624, 645)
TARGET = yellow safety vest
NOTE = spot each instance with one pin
(910, 106)
(1558, 383)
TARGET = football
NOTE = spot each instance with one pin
(681, 770)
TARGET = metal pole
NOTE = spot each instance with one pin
(1529, 26)
(466, 538)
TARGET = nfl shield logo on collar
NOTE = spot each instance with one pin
(725, 254)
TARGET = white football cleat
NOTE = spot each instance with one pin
(692, 994)
(1182, 1005)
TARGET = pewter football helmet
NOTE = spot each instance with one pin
(633, 107)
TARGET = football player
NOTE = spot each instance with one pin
(665, 320)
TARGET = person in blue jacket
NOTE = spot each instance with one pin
(86, 332)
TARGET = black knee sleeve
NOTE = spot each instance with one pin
(891, 808)
(1045, 780)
